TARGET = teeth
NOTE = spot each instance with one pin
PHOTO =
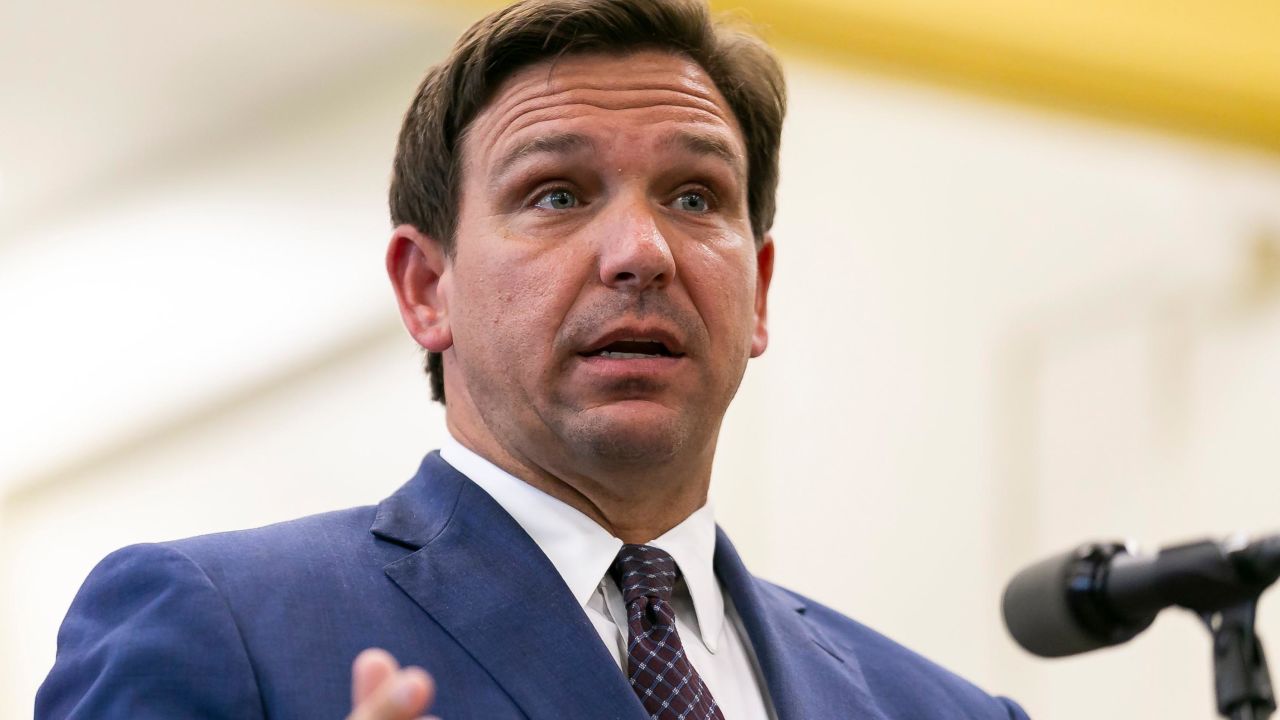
(627, 355)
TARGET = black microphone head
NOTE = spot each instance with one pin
(1056, 607)
(1038, 614)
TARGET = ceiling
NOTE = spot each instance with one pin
(96, 94)
(1208, 68)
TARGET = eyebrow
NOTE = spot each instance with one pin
(569, 143)
(558, 144)
(710, 145)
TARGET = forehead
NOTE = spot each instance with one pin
(638, 93)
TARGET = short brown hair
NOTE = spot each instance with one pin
(426, 174)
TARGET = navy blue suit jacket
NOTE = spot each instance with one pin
(265, 623)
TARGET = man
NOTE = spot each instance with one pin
(582, 197)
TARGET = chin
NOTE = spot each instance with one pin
(630, 433)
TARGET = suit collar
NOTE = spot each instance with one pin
(480, 576)
(418, 511)
(579, 548)
(807, 677)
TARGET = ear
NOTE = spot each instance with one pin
(764, 275)
(419, 272)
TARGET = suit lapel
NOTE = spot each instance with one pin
(806, 678)
(481, 577)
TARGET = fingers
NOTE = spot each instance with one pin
(370, 669)
(382, 691)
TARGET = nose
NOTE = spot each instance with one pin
(634, 252)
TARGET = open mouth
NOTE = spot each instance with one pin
(633, 350)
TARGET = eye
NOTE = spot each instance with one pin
(694, 202)
(559, 199)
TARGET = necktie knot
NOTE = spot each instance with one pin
(644, 571)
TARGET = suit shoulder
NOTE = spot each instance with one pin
(295, 553)
(130, 624)
(313, 534)
(125, 648)
(897, 675)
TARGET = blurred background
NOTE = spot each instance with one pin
(1028, 294)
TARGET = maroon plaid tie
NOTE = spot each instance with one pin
(661, 674)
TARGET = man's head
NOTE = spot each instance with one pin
(425, 187)
(580, 183)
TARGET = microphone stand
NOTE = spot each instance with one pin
(1221, 582)
(1241, 679)
(1226, 599)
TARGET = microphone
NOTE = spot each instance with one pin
(1102, 594)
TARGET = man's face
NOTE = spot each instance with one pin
(605, 291)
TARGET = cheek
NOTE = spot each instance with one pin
(514, 304)
(722, 283)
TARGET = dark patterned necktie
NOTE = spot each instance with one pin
(660, 672)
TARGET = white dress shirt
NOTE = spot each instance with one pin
(582, 552)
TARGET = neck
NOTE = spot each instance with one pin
(636, 502)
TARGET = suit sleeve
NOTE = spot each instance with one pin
(149, 636)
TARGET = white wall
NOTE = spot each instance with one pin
(995, 333)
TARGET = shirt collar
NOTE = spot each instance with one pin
(692, 544)
(582, 551)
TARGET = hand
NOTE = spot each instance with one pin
(381, 690)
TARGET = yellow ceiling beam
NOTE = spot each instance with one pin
(1209, 68)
